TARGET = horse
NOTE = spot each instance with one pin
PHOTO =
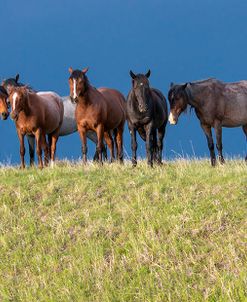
(147, 114)
(68, 126)
(37, 115)
(102, 110)
(3, 103)
(217, 104)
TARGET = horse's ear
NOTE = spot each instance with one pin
(148, 73)
(171, 84)
(70, 70)
(17, 77)
(132, 74)
(185, 85)
(85, 70)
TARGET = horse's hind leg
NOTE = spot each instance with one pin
(245, 132)
(161, 134)
(218, 132)
(110, 144)
(53, 146)
(31, 143)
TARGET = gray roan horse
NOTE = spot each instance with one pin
(216, 104)
(68, 126)
(147, 114)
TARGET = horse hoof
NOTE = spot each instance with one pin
(134, 163)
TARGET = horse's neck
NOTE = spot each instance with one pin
(28, 106)
(88, 96)
(195, 94)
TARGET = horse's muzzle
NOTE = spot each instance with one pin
(143, 109)
(14, 115)
(5, 115)
(172, 119)
(73, 100)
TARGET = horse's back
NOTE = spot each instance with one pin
(52, 106)
(116, 102)
(160, 104)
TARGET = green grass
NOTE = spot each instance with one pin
(114, 233)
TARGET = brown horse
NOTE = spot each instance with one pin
(102, 110)
(3, 103)
(36, 115)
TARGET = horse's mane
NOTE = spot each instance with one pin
(12, 81)
(3, 91)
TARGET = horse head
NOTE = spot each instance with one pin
(78, 83)
(10, 83)
(17, 98)
(3, 103)
(178, 100)
(141, 88)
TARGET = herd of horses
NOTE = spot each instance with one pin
(99, 114)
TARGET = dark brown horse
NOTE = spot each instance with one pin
(147, 114)
(217, 104)
(36, 115)
(3, 103)
(102, 110)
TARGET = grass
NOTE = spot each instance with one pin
(114, 233)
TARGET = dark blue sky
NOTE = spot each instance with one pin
(178, 40)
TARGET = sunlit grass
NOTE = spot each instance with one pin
(114, 233)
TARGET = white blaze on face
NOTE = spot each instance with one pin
(74, 89)
(14, 100)
(172, 120)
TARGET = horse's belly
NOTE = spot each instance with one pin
(231, 123)
(68, 126)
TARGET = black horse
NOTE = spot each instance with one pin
(217, 104)
(147, 114)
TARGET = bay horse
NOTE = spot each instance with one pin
(3, 103)
(68, 126)
(217, 104)
(102, 110)
(36, 115)
(147, 114)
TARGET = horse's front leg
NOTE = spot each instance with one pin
(219, 146)
(31, 142)
(22, 148)
(38, 138)
(149, 143)
(208, 133)
(133, 144)
(83, 135)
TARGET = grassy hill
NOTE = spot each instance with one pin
(114, 233)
